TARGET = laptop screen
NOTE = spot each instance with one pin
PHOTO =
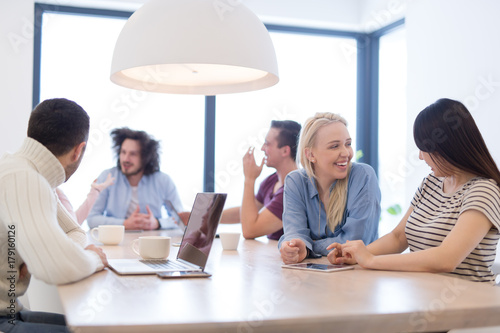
(201, 228)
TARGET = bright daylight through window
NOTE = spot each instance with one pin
(317, 74)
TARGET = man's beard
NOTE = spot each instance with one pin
(132, 173)
(70, 169)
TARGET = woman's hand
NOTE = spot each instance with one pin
(100, 187)
(337, 256)
(357, 252)
(293, 251)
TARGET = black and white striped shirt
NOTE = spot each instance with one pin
(435, 213)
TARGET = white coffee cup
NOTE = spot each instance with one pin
(229, 240)
(152, 247)
(108, 234)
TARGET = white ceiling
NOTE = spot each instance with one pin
(353, 15)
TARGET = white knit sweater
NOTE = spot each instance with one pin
(35, 228)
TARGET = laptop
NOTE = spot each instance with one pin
(195, 245)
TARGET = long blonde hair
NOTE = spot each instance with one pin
(338, 196)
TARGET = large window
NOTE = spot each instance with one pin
(75, 55)
(318, 72)
(75, 64)
(393, 161)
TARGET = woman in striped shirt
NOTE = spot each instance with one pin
(453, 223)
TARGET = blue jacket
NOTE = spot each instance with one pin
(302, 218)
(112, 204)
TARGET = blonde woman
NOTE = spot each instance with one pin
(330, 199)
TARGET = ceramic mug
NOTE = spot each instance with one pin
(152, 247)
(108, 234)
(229, 240)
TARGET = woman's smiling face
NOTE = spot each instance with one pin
(431, 162)
(332, 152)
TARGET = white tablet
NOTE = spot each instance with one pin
(319, 267)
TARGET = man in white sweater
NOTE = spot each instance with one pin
(37, 235)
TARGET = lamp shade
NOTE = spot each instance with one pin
(205, 47)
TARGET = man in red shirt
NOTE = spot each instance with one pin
(261, 214)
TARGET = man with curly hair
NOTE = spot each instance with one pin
(140, 189)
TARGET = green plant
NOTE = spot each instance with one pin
(394, 209)
(358, 155)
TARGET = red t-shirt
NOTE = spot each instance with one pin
(272, 201)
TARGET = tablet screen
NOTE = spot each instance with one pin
(319, 267)
(173, 213)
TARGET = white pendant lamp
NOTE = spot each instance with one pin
(205, 47)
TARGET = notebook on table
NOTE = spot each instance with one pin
(195, 245)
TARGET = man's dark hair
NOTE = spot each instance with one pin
(59, 124)
(288, 136)
(150, 148)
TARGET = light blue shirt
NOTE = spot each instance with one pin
(302, 206)
(153, 190)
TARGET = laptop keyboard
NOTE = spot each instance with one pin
(162, 264)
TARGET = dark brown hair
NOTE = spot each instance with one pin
(150, 155)
(288, 136)
(59, 124)
(446, 130)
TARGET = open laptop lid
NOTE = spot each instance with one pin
(202, 225)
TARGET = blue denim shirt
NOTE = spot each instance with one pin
(302, 218)
(112, 204)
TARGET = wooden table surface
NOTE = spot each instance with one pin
(250, 292)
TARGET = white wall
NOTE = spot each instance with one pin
(16, 61)
(335, 14)
(376, 14)
(453, 52)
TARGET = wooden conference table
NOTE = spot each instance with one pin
(250, 292)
